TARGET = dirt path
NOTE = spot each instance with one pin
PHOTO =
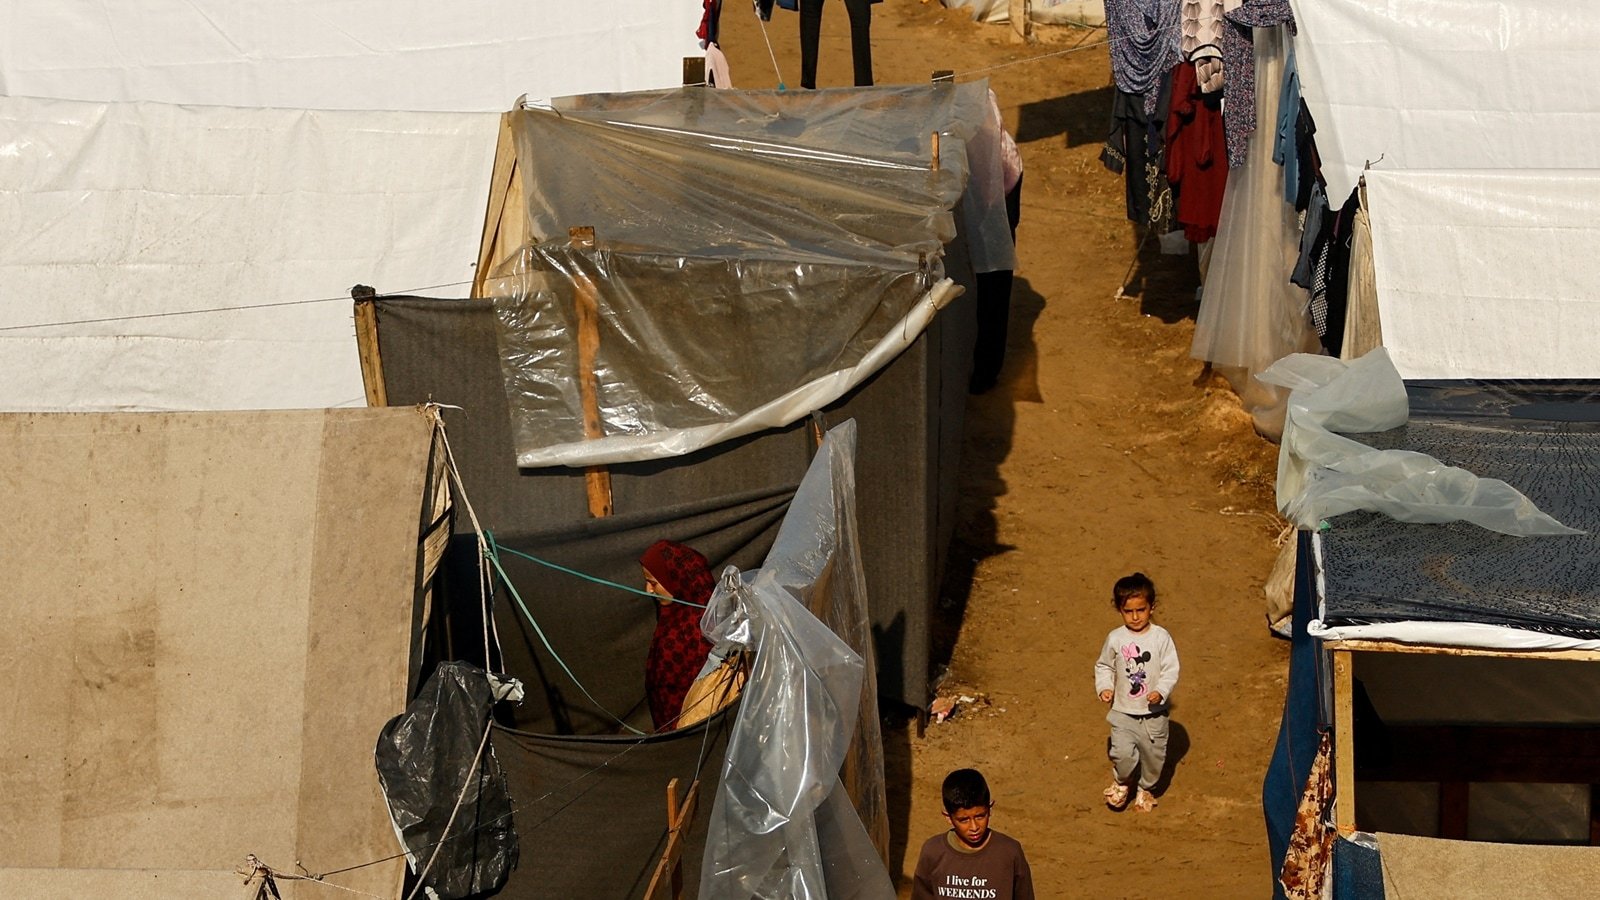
(1102, 452)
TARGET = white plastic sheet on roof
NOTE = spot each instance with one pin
(1487, 274)
(477, 55)
(1445, 85)
(146, 211)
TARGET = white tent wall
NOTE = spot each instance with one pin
(146, 210)
(1440, 84)
(478, 55)
(1484, 274)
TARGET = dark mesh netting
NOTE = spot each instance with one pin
(1542, 438)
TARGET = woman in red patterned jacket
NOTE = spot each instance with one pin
(674, 572)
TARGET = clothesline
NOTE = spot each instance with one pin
(194, 312)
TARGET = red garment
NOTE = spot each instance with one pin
(678, 650)
(1197, 156)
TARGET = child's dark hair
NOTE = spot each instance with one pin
(965, 788)
(1136, 585)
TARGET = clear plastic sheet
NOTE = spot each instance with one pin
(1250, 314)
(783, 824)
(756, 255)
(428, 763)
(1322, 474)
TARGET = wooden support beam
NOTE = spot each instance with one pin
(597, 479)
(504, 220)
(666, 883)
(934, 162)
(366, 313)
(1344, 745)
(1366, 646)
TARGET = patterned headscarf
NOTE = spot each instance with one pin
(677, 649)
(683, 571)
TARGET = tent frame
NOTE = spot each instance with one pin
(1457, 755)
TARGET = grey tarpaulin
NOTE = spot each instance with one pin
(1534, 437)
(725, 501)
(448, 799)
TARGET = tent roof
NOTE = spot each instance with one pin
(337, 54)
(1379, 570)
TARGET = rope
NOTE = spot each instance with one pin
(214, 309)
(594, 578)
(485, 581)
(494, 560)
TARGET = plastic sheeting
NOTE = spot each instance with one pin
(446, 792)
(783, 826)
(1485, 274)
(1322, 474)
(758, 255)
(1455, 583)
(342, 54)
(130, 216)
(1440, 84)
(1250, 314)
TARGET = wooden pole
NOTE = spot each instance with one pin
(597, 479)
(1344, 745)
(367, 346)
(934, 164)
(667, 880)
(503, 219)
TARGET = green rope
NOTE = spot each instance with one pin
(494, 560)
(585, 576)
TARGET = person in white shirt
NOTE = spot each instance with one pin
(1136, 672)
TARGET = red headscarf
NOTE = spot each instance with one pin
(678, 650)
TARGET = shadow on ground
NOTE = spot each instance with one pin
(1084, 118)
(991, 418)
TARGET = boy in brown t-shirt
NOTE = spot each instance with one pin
(970, 860)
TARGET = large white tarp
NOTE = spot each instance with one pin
(1487, 273)
(342, 54)
(124, 217)
(1442, 84)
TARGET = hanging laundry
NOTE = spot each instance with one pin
(1197, 163)
(1135, 149)
(1144, 37)
(1286, 147)
(1331, 278)
(1238, 60)
(1318, 228)
(1305, 130)
(1201, 43)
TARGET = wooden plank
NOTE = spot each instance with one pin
(934, 162)
(503, 218)
(597, 479)
(1366, 646)
(1344, 745)
(667, 880)
(367, 350)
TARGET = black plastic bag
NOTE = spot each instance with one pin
(424, 756)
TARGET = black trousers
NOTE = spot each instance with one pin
(994, 309)
(860, 12)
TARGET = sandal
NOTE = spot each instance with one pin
(1116, 795)
(1144, 801)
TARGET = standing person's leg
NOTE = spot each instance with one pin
(1152, 751)
(1124, 752)
(994, 309)
(810, 36)
(861, 39)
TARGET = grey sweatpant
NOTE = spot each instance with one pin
(1138, 742)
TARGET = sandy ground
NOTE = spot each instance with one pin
(1104, 450)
